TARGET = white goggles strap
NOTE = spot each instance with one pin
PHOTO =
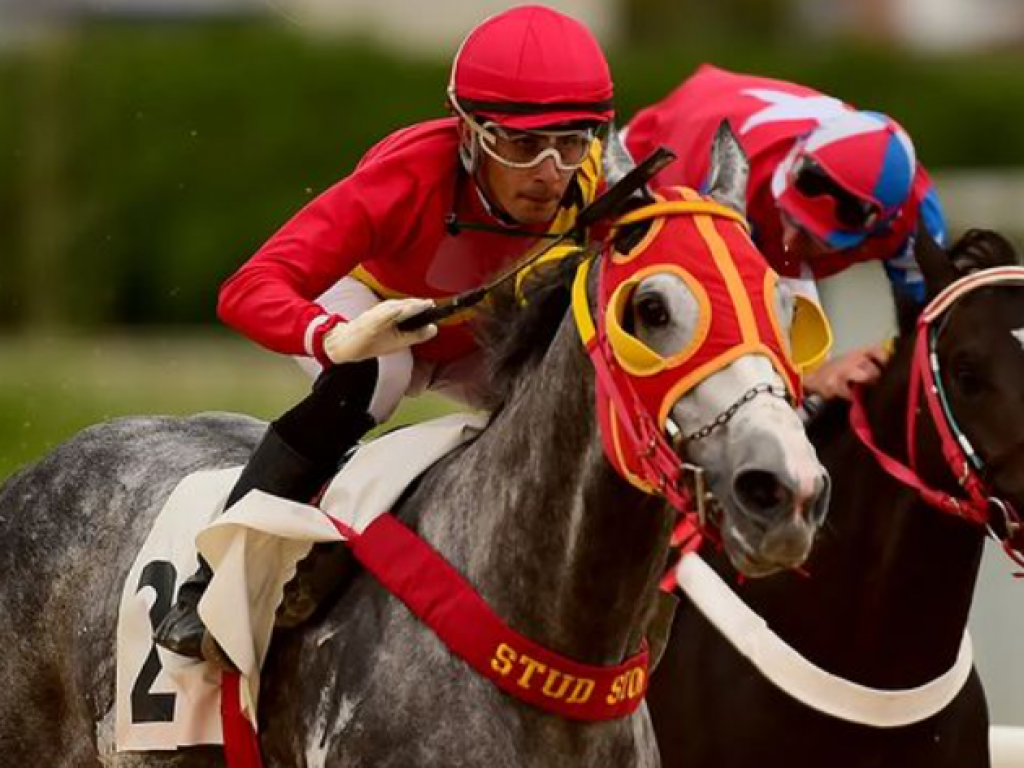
(488, 141)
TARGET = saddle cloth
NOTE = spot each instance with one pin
(164, 700)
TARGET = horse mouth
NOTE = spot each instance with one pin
(744, 560)
(757, 551)
(768, 525)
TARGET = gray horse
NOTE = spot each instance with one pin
(531, 512)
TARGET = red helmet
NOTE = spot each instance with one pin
(531, 67)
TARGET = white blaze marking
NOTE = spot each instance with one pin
(1019, 336)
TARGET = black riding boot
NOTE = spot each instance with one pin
(299, 453)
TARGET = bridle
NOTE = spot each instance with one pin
(725, 416)
(637, 432)
(980, 504)
(661, 470)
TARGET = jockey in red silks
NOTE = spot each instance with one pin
(830, 186)
(430, 211)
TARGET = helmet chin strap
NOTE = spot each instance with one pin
(492, 207)
(469, 151)
(469, 156)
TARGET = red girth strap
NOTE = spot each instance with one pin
(241, 744)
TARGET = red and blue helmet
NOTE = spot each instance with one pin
(848, 178)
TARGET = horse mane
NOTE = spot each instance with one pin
(519, 322)
(517, 326)
(981, 249)
(975, 250)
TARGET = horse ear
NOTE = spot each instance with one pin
(936, 265)
(730, 169)
(616, 159)
(617, 163)
(981, 249)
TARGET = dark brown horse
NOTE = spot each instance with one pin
(886, 595)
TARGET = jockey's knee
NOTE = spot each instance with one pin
(394, 379)
(333, 416)
(395, 376)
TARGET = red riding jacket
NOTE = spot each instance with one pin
(686, 121)
(388, 225)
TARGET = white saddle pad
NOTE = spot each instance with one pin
(163, 700)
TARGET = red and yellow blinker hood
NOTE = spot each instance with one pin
(706, 245)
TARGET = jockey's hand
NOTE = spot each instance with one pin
(375, 332)
(860, 366)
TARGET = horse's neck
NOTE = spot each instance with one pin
(560, 547)
(891, 579)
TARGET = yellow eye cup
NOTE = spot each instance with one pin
(811, 335)
(634, 356)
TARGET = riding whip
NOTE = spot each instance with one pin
(607, 204)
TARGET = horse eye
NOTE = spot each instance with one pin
(967, 380)
(651, 311)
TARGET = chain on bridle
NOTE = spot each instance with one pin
(724, 417)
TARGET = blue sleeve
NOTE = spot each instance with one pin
(902, 269)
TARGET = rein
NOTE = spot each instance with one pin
(980, 505)
(606, 205)
(799, 677)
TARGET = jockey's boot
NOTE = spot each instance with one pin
(299, 453)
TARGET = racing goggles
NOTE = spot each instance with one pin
(851, 212)
(521, 149)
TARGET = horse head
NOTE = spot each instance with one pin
(694, 327)
(974, 328)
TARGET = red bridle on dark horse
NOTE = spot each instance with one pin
(981, 505)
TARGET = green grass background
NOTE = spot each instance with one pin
(52, 387)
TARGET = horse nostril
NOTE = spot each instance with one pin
(759, 490)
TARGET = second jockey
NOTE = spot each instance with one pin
(830, 186)
(432, 210)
